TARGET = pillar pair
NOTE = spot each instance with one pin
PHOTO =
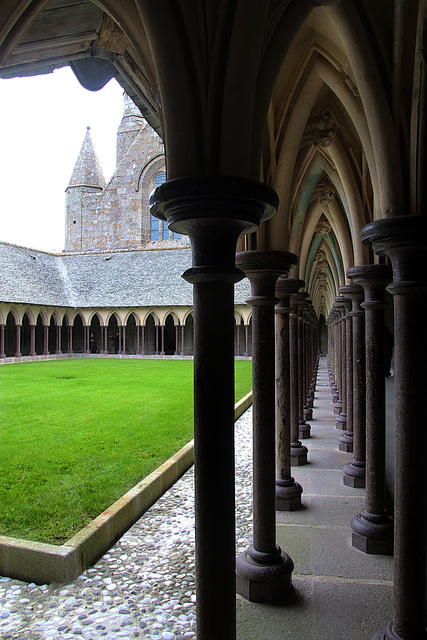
(403, 240)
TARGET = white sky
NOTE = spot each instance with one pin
(43, 122)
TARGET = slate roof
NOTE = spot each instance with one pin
(117, 279)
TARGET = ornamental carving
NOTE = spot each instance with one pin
(324, 130)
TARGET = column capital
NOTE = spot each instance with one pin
(263, 268)
(374, 279)
(285, 288)
(404, 240)
(213, 211)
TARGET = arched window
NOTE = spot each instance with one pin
(159, 179)
(154, 229)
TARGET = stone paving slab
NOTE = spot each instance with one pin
(321, 481)
(319, 609)
(322, 510)
(326, 551)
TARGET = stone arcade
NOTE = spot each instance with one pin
(290, 127)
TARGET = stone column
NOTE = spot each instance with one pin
(304, 427)
(58, 339)
(214, 212)
(45, 340)
(32, 340)
(345, 419)
(264, 571)
(156, 331)
(18, 353)
(70, 339)
(238, 339)
(338, 353)
(2, 353)
(138, 346)
(373, 527)
(288, 492)
(343, 306)
(162, 339)
(124, 340)
(307, 410)
(404, 240)
(104, 334)
(298, 450)
(176, 340)
(182, 340)
(246, 341)
(354, 471)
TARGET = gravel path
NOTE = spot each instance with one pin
(144, 586)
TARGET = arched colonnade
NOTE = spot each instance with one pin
(30, 331)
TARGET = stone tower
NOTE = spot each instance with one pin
(131, 124)
(116, 216)
(86, 183)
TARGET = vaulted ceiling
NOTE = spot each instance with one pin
(314, 98)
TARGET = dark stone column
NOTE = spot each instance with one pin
(32, 340)
(124, 340)
(373, 527)
(70, 339)
(138, 346)
(18, 353)
(264, 571)
(304, 427)
(288, 492)
(142, 349)
(343, 306)
(156, 331)
(58, 350)
(354, 471)
(307, 410)
(338, 353)
(176, 341)
(182, 340)
(298, 450)
(346, 439)
(404, 240)
(214, 212)
(2, 353)
(45, 340)
(162, 339)
(246, 341)
(331, 322)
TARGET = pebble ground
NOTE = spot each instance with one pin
(144, 586)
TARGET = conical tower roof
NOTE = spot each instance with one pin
(87, 171)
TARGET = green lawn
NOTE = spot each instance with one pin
(77, 434)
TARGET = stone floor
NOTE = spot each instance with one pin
(144, 586)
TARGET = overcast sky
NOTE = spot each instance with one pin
(43, 122)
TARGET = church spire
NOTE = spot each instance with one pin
(87, 171)
(131, 124)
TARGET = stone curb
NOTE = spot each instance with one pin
(45, 563)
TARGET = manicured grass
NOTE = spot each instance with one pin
(77, 434)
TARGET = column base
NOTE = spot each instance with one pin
(341, 422)
(354, 475)
(264, 577)
(345, 443)
(288, 495)
(337, 407)
(373, 533)
(298, 454)
(308, 413)
(304, 430)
